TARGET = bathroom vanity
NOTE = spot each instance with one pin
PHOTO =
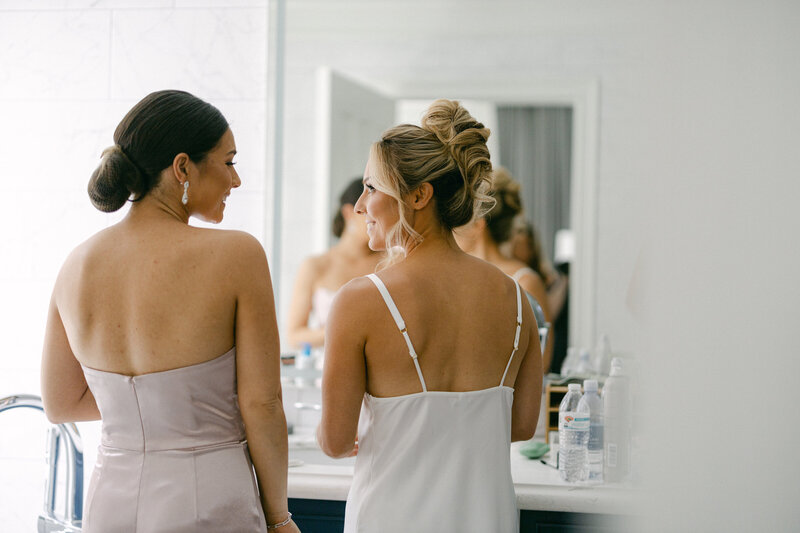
(318, 489)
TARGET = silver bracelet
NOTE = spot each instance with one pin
(280, 524)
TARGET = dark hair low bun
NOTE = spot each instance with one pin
(115, 180)
(159, 127)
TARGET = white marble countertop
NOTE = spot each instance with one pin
(538, 486)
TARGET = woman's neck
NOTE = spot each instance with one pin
(433, 239)
(154, 207)
(352, 245)
(485, 248)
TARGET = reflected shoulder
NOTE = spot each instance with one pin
(316, 263)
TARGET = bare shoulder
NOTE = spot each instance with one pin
(494, 276)
(357, 298)
(79, 260)
(235, 245)
(357, 288)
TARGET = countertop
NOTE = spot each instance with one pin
(538, 486)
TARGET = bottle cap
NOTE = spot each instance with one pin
(590, 385)
(574, 387)
(616, 366)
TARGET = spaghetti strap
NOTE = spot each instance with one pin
(401, 325)
(516, 334)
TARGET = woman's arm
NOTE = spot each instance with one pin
(557, 295)
(528, 383)
(65, 393)
(258, 375)
(344, 375)
(534, 286)
(300, 308)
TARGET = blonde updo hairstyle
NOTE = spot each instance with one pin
(448, 151)
(507, 205)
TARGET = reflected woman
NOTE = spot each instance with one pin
(319, 277)
(139, 316)
(484, 235)
(440, 347)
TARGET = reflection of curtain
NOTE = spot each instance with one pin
(535, 146)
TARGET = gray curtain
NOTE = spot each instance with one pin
(536, 147)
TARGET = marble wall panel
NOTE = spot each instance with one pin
(221, 3)
(214, 53)
(54, 146)
(54, 54)
(248, 120)
(54, 5)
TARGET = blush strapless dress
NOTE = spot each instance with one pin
(173, 455)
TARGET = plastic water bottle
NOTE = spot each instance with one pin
(570, 362)
(617, 409)
(302, 361)
(573, 436)
(594, 403)
(601, 359)
(584, 364)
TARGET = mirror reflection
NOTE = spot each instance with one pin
(531, 146)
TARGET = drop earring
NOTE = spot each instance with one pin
(185, 197)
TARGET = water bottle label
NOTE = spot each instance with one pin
(596, 437)
(611, 455)
(573, 420)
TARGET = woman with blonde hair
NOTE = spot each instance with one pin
(440, 348)
(139, 316)
(484, 236)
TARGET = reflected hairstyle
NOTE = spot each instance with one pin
(448, 151)
(507, 205)
(537, 261)
(349, 196)
(162, 125)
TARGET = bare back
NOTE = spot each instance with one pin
(147, 296)
(461, 316)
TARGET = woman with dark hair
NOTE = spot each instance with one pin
(139, 316)
(440, 348)
(320, 276)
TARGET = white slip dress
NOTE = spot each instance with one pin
(434, 461)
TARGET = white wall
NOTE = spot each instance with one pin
(697, 193)
(69, 71)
